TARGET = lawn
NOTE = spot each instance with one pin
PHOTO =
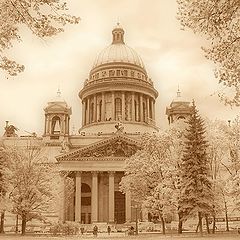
(119, 236)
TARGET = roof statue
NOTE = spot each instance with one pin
(10, 130)
(119, 127)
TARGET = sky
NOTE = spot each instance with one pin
(171, 56)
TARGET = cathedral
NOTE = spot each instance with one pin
(118, 105)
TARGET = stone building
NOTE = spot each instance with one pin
(118, 105)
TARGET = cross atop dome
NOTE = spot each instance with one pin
(59, 92)
(178, 92)
(118, 34)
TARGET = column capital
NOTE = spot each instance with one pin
(95, 173)
(111, 173)
(78, 173)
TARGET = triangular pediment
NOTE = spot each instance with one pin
(118, 146)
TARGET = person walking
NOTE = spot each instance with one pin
(95, 231)
(109, 230)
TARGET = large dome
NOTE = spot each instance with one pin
(118, 53)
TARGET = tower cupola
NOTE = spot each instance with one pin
(57, 117)
(178, 109)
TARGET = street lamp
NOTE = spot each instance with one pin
(136, 218)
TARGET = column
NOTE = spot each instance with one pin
(152, 108)
(133, 107)
(62, 216)
(123, 106)
(141, 108)
(78, 197)
(113, 106)
(103, 107)
(144, 214)
(45, 125)
(128, 206)
(83, 112)
(94, 197)
(111, 198)
(148, 114)
(95, 108)
(87, 113)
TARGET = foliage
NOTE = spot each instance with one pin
(219, 22)
(44, 18)
(196, 195)
(67, 228)
(32, 184)
(152, 175)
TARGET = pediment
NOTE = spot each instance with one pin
(55, 106)
(115, 147)
(180, 106)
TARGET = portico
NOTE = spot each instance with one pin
(94, 174)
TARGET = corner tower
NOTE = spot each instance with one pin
(118, 90)
(57, 117)
(179, 109)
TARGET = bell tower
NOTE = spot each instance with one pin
(57, 117)
(178, 109)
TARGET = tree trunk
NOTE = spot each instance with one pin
(2, 222)
(200, 223)
(214, 224)
(226, 215)
(207, 224)
(16, 229)
(24, 223)
(163, 225)
(180, 223)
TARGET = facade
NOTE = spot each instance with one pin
(118, 105)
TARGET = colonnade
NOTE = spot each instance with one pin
(115, 106)
(95, 198)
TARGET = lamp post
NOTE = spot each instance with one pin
(136, 218)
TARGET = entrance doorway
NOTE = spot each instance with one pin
(119, 202)
(85, 204)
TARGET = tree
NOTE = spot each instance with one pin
(218, 149)
(32, 184)
(3, 200)
(196, 195)
(152, 174)
(44, 18)
(219, 22)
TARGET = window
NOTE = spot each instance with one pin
(56, 128)
(118, 109)
(100, 111)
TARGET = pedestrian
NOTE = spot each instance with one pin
(95, 231)
(82, 230)
(109, 230)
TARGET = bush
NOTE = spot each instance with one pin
(67, 228)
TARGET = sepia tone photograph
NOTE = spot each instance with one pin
(119, 119)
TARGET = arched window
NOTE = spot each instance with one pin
(91, 112)
(100, 111)
(136, 110)
(56, 125)
(144, 112)
(181, 117)
(118, 109)
(150, 109)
